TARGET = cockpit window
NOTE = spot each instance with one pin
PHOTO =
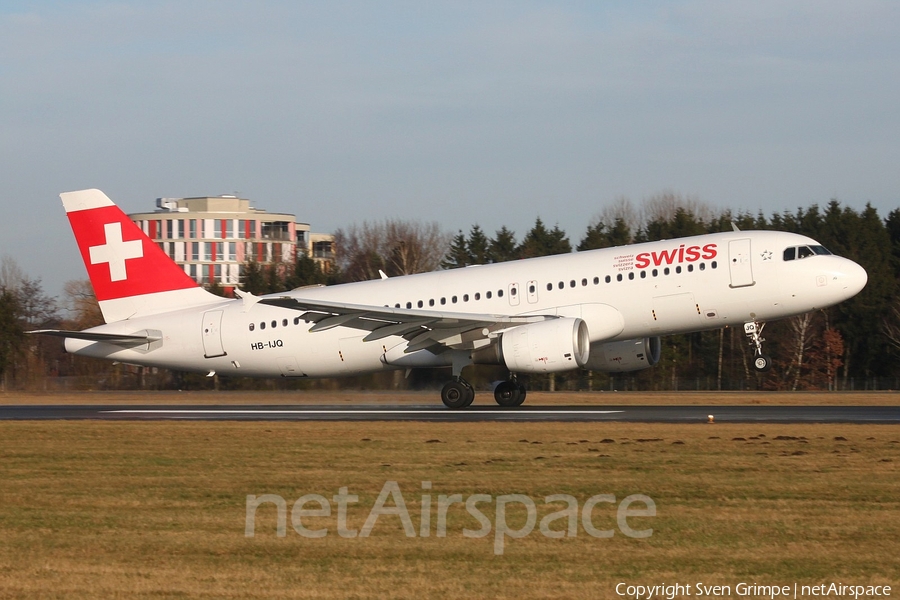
(798, 252)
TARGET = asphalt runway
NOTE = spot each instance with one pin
(369, 412)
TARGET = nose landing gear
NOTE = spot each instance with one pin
(753, 330)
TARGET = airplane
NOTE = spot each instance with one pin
(602, 310)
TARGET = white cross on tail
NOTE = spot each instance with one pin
(115, 252)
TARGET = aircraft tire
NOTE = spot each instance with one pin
(762, 363)
(522, 393)
(471, 396)
(456, 394)
(507, 394)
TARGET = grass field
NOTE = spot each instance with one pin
(157, 509)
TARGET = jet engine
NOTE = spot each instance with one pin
(626, 355)
(546, 347)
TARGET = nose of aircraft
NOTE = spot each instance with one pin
(853, 278)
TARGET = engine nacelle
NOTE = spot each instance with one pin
(546, 347)
(627, 355)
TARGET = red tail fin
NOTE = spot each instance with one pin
(131, 275)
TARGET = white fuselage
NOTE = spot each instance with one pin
(658, 288)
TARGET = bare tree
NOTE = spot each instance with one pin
(662, 207)
(800, 327)
(11, 275)
(394, 246)
(81, 304)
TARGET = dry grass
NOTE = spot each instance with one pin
(102, 509)
(484, 397)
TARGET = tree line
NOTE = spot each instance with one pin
(855, 344)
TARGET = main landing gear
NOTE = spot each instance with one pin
(753, 330)
(460, 394)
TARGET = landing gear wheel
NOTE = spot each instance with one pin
(762, 363)
(507, 394)
(522, 392)
(471, 395)
(457, 394)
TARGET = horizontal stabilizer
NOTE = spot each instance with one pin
(109, 338)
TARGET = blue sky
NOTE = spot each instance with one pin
(484, 112)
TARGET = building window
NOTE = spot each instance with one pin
(193, 223)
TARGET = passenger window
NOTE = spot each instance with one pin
(531, 289)
(252, 326)
(713, 264)
(274, 324)
(655, 273)
(562, 285)
(478, 295)
(500, 292)
(631, 275)
(431, 302)
(584, 282)
(409, 305)
(596, 280)
(690, 268)
(643, 274)
(465, 297)
(790, 253)
(572, 283)
(608, 279)
(619, 277)
(296, 320)
(678, 269)
(488, 295)
(666, 271)
(453, 299)
(443, 301)
(262, 325)
(284, 322)
(702, 266)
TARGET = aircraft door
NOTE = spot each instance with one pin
(513, 294)
(739, 264)
(212, 334)
(532, 292)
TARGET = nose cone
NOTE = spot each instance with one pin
(853, 278)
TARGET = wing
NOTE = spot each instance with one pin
(423, 329)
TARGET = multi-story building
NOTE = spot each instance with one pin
(213, 236)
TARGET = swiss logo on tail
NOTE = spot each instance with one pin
(121, 261)
(129, 272)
